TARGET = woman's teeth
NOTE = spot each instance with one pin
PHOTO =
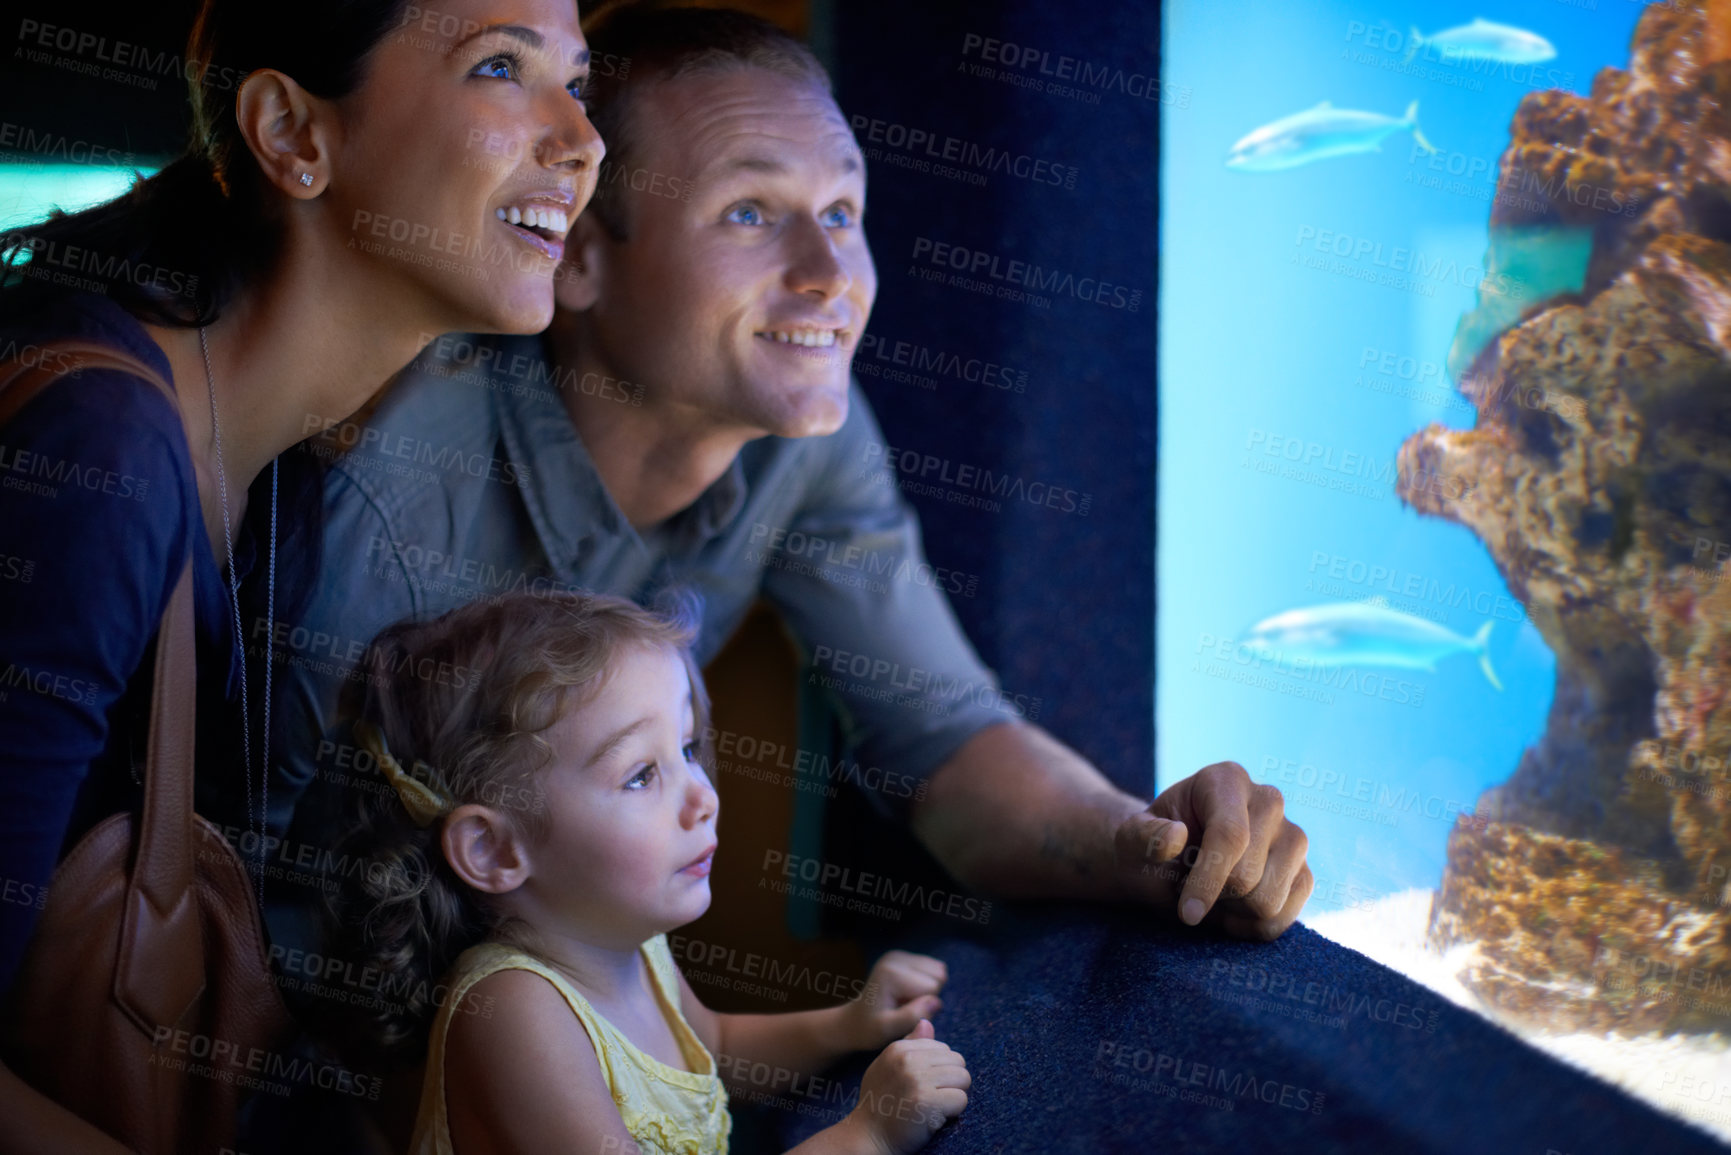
(552, 220)
(816, 338)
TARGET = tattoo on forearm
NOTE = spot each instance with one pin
(1059, 845)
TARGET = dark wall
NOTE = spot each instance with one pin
(106, 74)
(1064, 608)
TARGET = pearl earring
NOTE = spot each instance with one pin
(307, 179)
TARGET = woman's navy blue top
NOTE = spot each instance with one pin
(99, 511)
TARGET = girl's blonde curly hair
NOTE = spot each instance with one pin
(462, 702)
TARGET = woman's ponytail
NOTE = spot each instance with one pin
(171, 250)
(175, 247)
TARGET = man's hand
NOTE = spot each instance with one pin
(1017, 814)
(1218, 845)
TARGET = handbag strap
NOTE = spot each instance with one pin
(159, 972)
(35, 367)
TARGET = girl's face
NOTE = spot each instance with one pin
(631, 830)
(468, 111)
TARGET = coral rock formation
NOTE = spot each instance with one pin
(1601, 470)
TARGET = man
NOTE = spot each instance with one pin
(689, 420)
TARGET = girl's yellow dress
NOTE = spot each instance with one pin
(668, 1111)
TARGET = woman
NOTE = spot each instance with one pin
(362, 176)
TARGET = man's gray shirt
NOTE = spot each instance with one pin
(470, 481)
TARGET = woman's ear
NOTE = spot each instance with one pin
(484, 849)
(577, 280)
(289, 130)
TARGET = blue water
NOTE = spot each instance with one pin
(1262, 357)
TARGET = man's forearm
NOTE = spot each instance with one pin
(1017, 814)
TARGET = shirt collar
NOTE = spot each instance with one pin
(714, 510)
(563, 491)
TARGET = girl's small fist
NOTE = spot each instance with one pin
(902, 989)
(913, 1088)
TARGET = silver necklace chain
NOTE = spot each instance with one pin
(239, 634)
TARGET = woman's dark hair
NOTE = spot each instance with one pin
(174, 249)
(462, 703)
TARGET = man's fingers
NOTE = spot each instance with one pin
(1163, 839)
(1269, 929)
(1240, 848)
(1224, 841)
(1146, 839)
(1246, 876)
(1285, 859)
(1221, 801)
(1267, 818)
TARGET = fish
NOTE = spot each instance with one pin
(1320, 132)
(1365, 634)
(1485, 40)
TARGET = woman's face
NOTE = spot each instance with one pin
(463, 158)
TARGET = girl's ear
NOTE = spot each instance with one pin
(485, 850)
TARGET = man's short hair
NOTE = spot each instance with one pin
(636, 44)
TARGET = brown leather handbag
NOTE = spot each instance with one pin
(145, 1003)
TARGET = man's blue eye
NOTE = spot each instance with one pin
(837, 218)
(745, 215)
(691, 751)
(575, 88)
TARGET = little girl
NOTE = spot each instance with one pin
(549, 820)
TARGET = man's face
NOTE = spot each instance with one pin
(739, 307)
